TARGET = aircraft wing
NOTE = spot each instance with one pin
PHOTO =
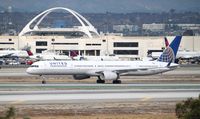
(121, 71)
(132, 70)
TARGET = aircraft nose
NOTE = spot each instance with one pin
(29, 70)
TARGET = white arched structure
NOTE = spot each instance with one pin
(86, 27)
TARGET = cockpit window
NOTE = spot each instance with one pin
(34, 65)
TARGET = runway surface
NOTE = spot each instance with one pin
(91, 86)
(80, 93)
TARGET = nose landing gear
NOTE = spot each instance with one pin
(44, 82)
(43, 79)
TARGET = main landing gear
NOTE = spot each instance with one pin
(103, 81)
(100, 81)
(117, 81)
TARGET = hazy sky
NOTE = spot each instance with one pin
(102, 6)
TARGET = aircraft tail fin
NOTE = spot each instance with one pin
(73, 53)
(29, 52)
(169, 54)
(166, 42)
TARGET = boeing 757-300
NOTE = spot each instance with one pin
(109, 70)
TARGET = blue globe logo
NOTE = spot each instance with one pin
(167, 55)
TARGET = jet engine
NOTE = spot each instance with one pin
(108, 75)
(80, 77)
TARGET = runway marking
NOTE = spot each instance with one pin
(17, 102)
(145, 99)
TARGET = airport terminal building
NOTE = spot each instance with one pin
(86, 41)
(125, 47)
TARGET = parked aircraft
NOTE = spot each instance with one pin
(75, 56)
(13, 53)
(109, 70)
(49, 55)
(187, 54)
(97, 58)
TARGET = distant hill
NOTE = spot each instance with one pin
(103, 6)
(2, 9)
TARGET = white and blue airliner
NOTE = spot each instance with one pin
(109, 70)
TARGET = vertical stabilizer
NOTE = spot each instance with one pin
(169, 54)
(166, 42)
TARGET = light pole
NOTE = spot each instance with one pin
(193, 43)
(53, 44)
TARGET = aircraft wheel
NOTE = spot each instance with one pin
(100, 81)
(44, 82)
(117, 82)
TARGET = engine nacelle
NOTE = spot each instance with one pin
(108, 75)
(80, 77)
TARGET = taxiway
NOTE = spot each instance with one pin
(81, 93)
